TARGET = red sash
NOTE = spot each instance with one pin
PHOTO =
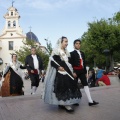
(78, 67)
(35, 71)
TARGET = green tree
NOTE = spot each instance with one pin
(25, 50)
(91, 54)
(101, 35)
(49, 46)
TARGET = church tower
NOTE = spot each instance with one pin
(12, 21)
(12, 36)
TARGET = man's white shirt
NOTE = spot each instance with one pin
(35, 62)
(78, 51)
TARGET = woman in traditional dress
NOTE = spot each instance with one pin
(12, 84)
(60, 85)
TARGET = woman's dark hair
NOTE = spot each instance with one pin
(63, 37)
(77, 40)
(13, 55)
(105, 73)
(93, 71)
(100, 67)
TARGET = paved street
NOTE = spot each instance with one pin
(27, 87)
(30, 107)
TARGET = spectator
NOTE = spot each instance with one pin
(99, 73)
(104, 80)
(92, 79)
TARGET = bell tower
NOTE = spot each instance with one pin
(11, 37)
(12, 20)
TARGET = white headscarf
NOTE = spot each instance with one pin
(57, 48)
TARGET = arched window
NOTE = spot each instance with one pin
(10, 43)
(9, 24)
(11, 13)
(14, 23)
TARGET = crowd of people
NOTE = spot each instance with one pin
(61, 79)
(101, 77)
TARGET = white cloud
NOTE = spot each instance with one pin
(53, 4)
(106, 5)
(50, 4)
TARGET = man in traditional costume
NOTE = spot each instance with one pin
(34, 66)
(79, 67)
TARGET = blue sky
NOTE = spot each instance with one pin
(55, 18)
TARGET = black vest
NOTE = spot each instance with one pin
(75, 60)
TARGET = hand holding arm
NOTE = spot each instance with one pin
(61, 69)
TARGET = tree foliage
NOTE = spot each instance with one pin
(102, 34)
(49, 46)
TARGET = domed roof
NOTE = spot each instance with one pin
(31, 36)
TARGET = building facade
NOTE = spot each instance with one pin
(12, 37)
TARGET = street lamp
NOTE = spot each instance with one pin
(106, 52)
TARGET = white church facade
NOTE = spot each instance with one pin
(12, 36)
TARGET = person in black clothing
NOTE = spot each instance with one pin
(92, 79)
(79, 66)
(61, 87)
(34, 66)
(13, 78)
